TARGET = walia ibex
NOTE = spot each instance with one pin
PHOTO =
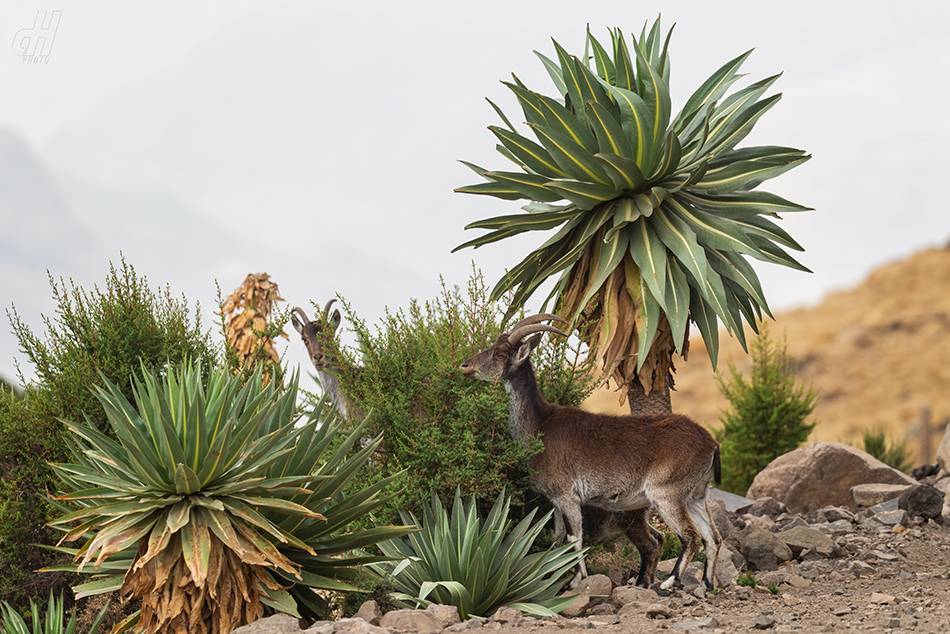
(319, 338)
(615, 463)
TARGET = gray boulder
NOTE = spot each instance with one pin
(821, 474)
(923, 501)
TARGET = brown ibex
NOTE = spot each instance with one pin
(615, 463)
(319, 338)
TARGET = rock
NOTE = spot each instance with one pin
(890, 622)
(764, 622)
(880, 598)
(322, 627)
(887, 518)
(709, 622)
(943, 452)
(923, 501)
(447, 615)
(508, 616)
(803, 538)
(659, 611)
(832, 514)
(763, 522)
(623, 595)
(762, 550)
(866, 495)
(722, 520)
(924, 471)
(276, 624)
(369, 612)
(767, 506)
(727, 574)
(821, 474)
(351, 626)
(593, 590)
(733, 503)
(415, 621)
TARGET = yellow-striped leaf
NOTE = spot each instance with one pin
(571, 157)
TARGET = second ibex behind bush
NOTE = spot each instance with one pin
(616, 463)
(319, 338)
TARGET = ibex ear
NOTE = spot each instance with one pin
(335, 319)
(524, 350)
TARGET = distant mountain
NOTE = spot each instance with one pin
(876, 354)
(36, 226)
(63, 226)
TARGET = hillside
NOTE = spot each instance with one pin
(875, 354)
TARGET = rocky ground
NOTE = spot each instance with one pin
(878, 570)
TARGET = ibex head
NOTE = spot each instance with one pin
(317, 334)
(511, 349)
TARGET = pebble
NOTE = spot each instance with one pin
(764, 622)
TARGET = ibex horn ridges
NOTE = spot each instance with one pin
(303, 315)
(531, 325)
(326, 309)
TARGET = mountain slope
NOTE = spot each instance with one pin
(876, 355)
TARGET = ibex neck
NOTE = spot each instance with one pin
(329, 380)
(526, 405)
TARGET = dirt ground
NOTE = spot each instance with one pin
(889, 582)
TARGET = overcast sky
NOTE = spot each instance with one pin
(327, 135)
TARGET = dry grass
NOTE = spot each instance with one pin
(875, 354)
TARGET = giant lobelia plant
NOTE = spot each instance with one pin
(656, 214)
(216, 501)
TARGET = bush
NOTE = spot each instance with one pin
(113, 331)
(446, 431)
(27, 441)
(766, 416)
(894, 454)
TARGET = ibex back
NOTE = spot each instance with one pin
(616, 463)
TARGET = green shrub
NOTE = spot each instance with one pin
(55, 619)
(766, 416)
(894, 454)
(444, 430)
(112, 331)
(457, 559)
(27, 441)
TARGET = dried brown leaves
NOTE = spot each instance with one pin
(612, 322)
(173, 601)
(247, 313)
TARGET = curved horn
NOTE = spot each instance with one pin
(531, 325)
(534, 319)
(326, 309)
(303, 315)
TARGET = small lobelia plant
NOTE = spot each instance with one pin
(54, 623)
(215, 501)
(478, 566)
